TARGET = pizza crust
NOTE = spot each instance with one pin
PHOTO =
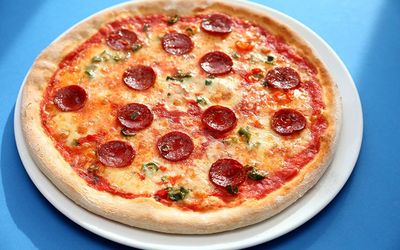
(146, 212)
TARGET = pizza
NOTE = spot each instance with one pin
(181, 117)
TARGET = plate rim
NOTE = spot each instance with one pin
(281, 17)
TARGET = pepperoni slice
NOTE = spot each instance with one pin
(122, 39)
(288, 121)
(139, 77)
(117, 154)
(217, 24)
(135, 116)
(227, 172)
(283, 78)
(70, 98)
(177, 43)
(219, 119)
(175, 146)
(216, 63)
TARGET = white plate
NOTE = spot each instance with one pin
(294, 216)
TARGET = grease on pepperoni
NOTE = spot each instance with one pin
(216, 63)
(117, 154)
(288, 121)
(135, 116)
(122, 39)
(227, 172)
(70, 98)
(217, 24)
(282, 78)
(175, 146)
(219, 119)
(177, 43)
(139, 77)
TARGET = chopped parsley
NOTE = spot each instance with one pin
(245, 133)
(208, 82)
(146, 27)
(118, 57)
(270, 59)
(150, 168)
(127, 133)
(164, 178)
(136, 47)
(235, 55)
(105, 56)
(74, 143)
(180, 76)
(165, 148)
(172, 20)
(256, 174)
(134, 115)
(190, 31)
(200, 100)
(230, 140)
(258, 75)
(232, 190)
(97, 59)
(92, 169)
(177, 194)
(90, 70)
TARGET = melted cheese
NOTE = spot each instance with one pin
(252, 103)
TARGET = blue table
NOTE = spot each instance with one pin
(366, 213)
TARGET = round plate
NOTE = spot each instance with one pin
(301, 211)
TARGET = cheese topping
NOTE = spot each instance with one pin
(99, 70)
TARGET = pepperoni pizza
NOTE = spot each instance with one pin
(181, 117)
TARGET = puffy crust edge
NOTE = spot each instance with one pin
(146, 212)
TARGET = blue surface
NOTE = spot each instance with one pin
(366, 213)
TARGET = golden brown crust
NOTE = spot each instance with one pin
(146, 212)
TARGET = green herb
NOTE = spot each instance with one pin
(105, 56)
(97, 59)
(150, 168)
(235, 55)
(134, 115)
(177, 194)
(245, 133)
(254, 145)
(92, 169)
(146, 27)
(173, 20)
(230, 140)
(164, 178)
(180, 76)
(74, 143)
(211, 76)
(259, 75)
(90, 70)
(190, 31)
(200, 100)
(232, 190)
(270, 59)
(256, 174)
(118, 57)
(128, 133)
(104, 53)
(165, 148)
(207, 82)
(136, 47)
(252, 59)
